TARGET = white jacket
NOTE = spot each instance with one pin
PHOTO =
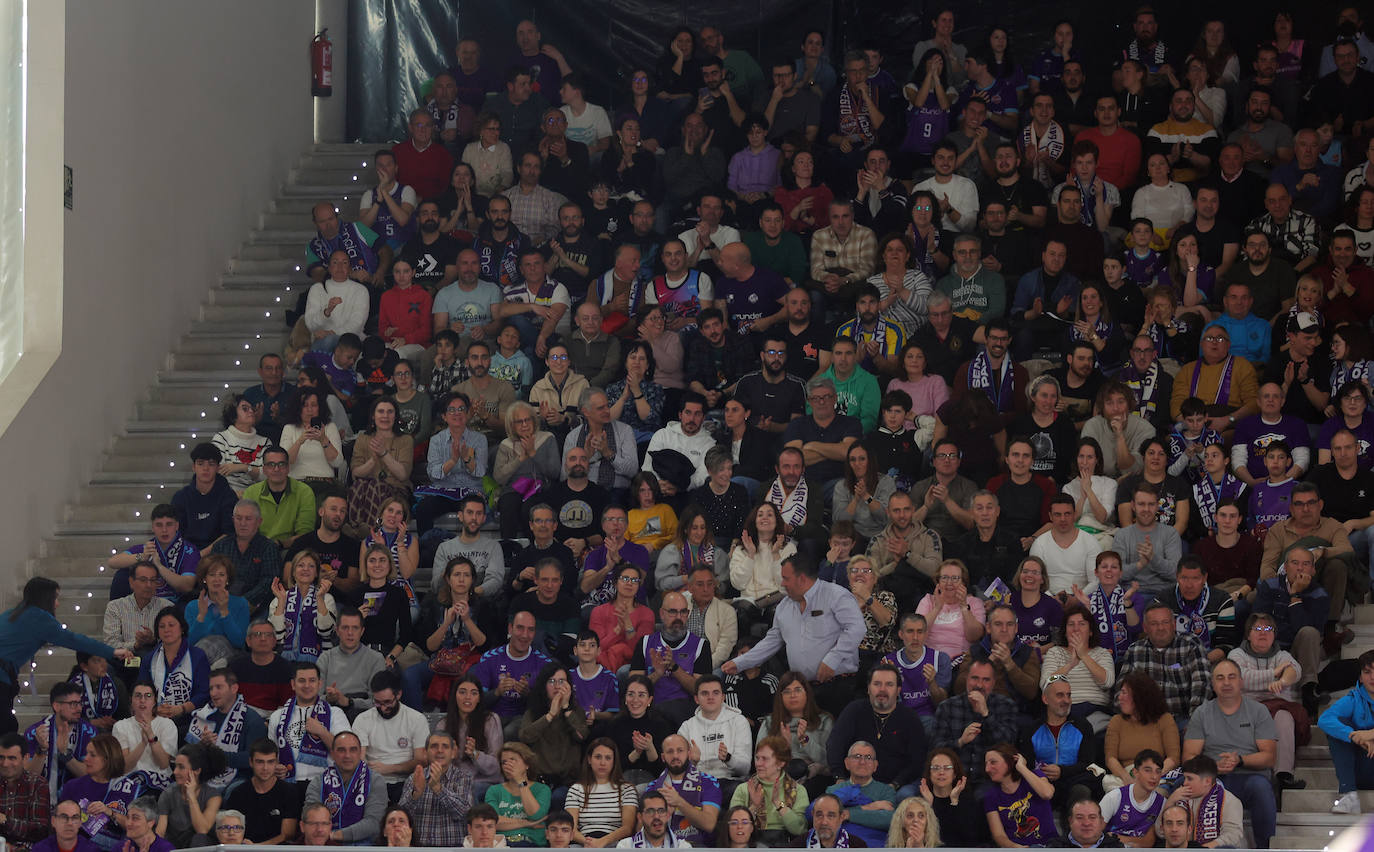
(759, 575)
(694, 447)
(731, 728)
(349, 316)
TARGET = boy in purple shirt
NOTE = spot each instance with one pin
(1269, 505)
(594, 686)
(339, 366)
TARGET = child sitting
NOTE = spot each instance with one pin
(1269, 505)
(1187, 442)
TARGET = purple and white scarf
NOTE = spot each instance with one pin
(229, 737)
(302, 640)
(1109, 611)
(97, 700)
(854, 119)
(1223, 387)
(980, 377)
(172, 682)
(350, 241)
(670, 841)
(1207, 494)
(311, 750)
(813, 841)
(346, 804)
(792, 507)
(1145, 385)
(119, 794)
(79, 733)
(1207, 819)
(1190, 621)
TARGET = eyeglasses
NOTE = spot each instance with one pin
(942, 767)
(230, 829)
(821, 397)
(75, 702)
(951, 579)
(734, 823)
(1216, 338)
(1263, 628)
(635, 581)
(520, 420)
(947, 456)
(1303, 504)
(274, 464)
(775, 351)
(860, 569)
(456, 409)
(862, 758)
(924, 208)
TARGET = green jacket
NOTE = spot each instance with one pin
(293, 516)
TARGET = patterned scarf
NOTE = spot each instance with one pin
(302, 640)
(1089, 217)
(1189, 620)
(605, 471)
(854, 118)
(1223, 386)
(119, 794)
(350, 241)
(1109, 611)
(55, 771)
(980, 377)
(792, 506)
(670, 841)
(97, 700)
(1145, 386)
(311, 750)
(1207, 819)
(1151, 59)
(789, 798)
(813, 841)
(695, 555)
(1207, 494)
(229, 737)
(171, 557)
(173, 682)
(346, 805)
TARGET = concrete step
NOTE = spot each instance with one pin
(296, 238)
(336, 175)
(296, 204)
(99, 495)
(108, 513)
(189, 393)
(339, 193)
(242, 315)
(1315, 752)
(293, 250)
(359, 156)
(172, 479)
(207, 413)
(266, 266)
(286, 221)
(83, 569)
(237, 378)
(237, 341)
(1320, 800)
(265, 280)
(173, 444)
(95, 548)
(228, 359)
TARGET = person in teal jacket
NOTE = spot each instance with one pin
(25, 629)
(1349, 727)
(856, 387)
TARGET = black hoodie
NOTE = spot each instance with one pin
(206, 517)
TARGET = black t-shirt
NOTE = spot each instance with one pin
(943, 357)
(342, 554)
(579, 512)
(1297, 403)
(1172, 491)
(1024, 194)
(765, 399)
(1127, 304)
(1344, 499)
(804, 349)
(531, 555)
(1053, 447)
(1021, 507)
(806, 430)
(263, 812)
(586, 251)
(1211, 243)
(429, 260)
(1080, 399)
(1015, 250)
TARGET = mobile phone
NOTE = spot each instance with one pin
(316, 423)
(703, 92)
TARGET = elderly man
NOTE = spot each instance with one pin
(1293, 234)
(828, 816)
(368, 256)
(976, 721)
(355, 804)
(1228, 384)
(421, 163)
(1061, 746)
(853, 113)
(976, 293)
(1300, 610)
(824, 647)
(612, 295)
(947, 340)
(25, 801)
(1254, 434)
(452, 116)
(897, 737)
(673, 658)
(824, 436)
(705, 240)
(128, 621)
(1051, 289)
(1016, 665)
(610, 443)
(457, 460)
(1175, 661)
(1338, 567)
(843, 255)
(1314, 185)
(1239, 734)
(868, 820)
(989, 548)
(692, 795)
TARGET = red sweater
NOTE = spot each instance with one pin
(428, 172)
(1118, 159)
(615, 650)
(409, 311)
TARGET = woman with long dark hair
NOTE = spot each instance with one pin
(554, 725)
(861, 497)
(602, 804)
(945, 787)
(655, 117)
(477, 731)
(1143, 722)
(805, 727)
(312, 441)
(454, 625)
(187, 808)
(638, 730)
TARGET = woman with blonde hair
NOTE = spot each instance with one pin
(955, 616)
(303, 615)
(527, 461)
(914, 825)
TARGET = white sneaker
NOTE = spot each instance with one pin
(1347, 804)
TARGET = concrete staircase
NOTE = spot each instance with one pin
(241, 318)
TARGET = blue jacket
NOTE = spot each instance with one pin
(1353, 712)
(1251, 337)
(1032, 287)
(22, 638)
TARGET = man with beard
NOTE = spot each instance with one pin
(1302, 374)
(1079, 381)
(338, 551)
(488, 396)
(1150, 383)
(566, 170)
(1218, 239)
(808, 344)
(947, 340)
(716, 358)
(346, 789)
(692, 796)
(519, 107)
(304, 729)
(681, 291)
(1005, 251)
(1026, 200)
(752, 295)
(906, 554)
(798, 500)
(673, 658)
(466, 306)
(642, 236)
(1072, 105)
(1015, 665)
(574, 256)
(1285, 91)
(1187, 142)
(1265, 142)
(1348, 283)
(1082, 242)
(499, 244)
(481, 549)
(989, 548)
(686, 436)
(773, 395)
(56, 745)
(975, 721)
(894, 730)
(1270, 279)
(580, 503)
(534, 207)
(993, 373)
(229, 724)
(392, 734)
(610, 443)
(433, 255)
(876, 340)
(388, 208)
(654, 832)
(368, 255)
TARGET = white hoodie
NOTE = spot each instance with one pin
(731, 728)
(694, 447)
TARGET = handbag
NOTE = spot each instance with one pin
(455, 661)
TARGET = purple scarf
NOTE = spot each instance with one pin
(1190, 621)
(78, 736)
(351, 242)
(1207, 820)
(99, 700)
(980, 377)
(120, 793)
(814, 842)
(302, 641)
(1223, 387)
(346, 805)
(173, 681)
(1110, 614)
(311, 750)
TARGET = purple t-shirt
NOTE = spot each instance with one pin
(605, 593)
(497, 662)
(1364, 436)
(1035, 625)
(1143, 270)
(697, 788)
(1269, 505)
(185, 565)
(1000, 97)
(1027, 819)
(915, 687)
(753, 298)
(600, 693)
(1256, 436)
(925, 127)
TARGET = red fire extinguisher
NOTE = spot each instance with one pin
(322, 65)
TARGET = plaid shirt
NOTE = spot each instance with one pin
(1296, 238)
(24, 802)
(254, 568)
(440, 818)
(123, 619)
(1180, 669)
(955, 713)
(856, 253)
(535, 213)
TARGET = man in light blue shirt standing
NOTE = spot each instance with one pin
(821, 626)
(1250, 335)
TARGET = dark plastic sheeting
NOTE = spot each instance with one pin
(396, 45)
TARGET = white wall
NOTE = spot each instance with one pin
(182, 119)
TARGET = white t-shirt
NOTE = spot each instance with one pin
(963, 197)
(338, 723)
(407, 197)
(130, 735)
(720, 238)
(560, 297)
(590, 127)
(391, 740)
(1066, 567)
